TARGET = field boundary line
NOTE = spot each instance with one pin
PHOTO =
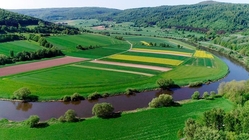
(115, 70)
(131, 46)
(133, 65)
(161, 53)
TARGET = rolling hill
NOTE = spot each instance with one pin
(202, 16)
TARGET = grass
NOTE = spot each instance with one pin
(162, 123)
(18, 46)
(120, 68)
(185, 74)
(108, 45)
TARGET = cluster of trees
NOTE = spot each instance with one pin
(217, 124)
(236, 91)
(208, 96)
(10, 37)
(24, 94)
(11, 22)
(119, 37)
(74, 97)
(41, 40)
(33, 55)
(80, 47)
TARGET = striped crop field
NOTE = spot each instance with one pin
(162, 52)
(145, 43)
(203, 54)
(147, 59)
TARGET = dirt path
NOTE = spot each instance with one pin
(161, 53)
(38, 65)
(115, 70)
(132, 65)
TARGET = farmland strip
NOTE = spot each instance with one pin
(106, 69)
(38, 65)
(162, 52)
(132, 65)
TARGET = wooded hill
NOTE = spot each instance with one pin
(11, 22)
(202, 16)
(51, 14)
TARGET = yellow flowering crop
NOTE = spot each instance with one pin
(146, 43)
(164, 52)
(203, 54)
(147, 59)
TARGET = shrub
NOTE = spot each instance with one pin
(103, 110)
(165, 83)
(69, 116)
(196, 95)
(162, 101)
(32, 121)
(131, 91)
(22, 93)
(205, 95)
(213, 94)
(66, 98)
(94, 96)
(106, 95)
(195, 84)
(76, 97)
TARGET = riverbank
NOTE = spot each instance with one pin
(159, 123)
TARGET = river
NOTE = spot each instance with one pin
(18, 111)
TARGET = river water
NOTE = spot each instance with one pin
(18, 111)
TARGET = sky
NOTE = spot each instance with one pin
(118, 4)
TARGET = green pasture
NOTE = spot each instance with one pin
(162, 123)
(18, 46)
(108, 45)
(205, 62)
(120, 67)
(186, 74)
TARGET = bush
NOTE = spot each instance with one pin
(94, 96)
(76, 97)
(69, 116)
(66, 98)
(205, 95)
(165, 83)
(32, 121)
(163, 100)
(131, 91)
(195, 84)
(22, 93)
(213, 94)
(103, 110)
(196, 95)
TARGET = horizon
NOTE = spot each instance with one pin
(128, 4)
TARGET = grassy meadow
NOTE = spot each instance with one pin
(162, 123)
(87, 77)
(18, 46)
(108, 45)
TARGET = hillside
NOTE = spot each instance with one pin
(68, 13)
(202, 16)
(11, 22)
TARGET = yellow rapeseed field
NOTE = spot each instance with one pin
(203, 54)
(146, 43)
(146, 59)
(164, 52)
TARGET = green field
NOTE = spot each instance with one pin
(108, 45)
(18, 46)
(160, 123)
(86, 77)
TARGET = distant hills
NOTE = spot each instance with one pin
(11, 22)
(203, 16)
